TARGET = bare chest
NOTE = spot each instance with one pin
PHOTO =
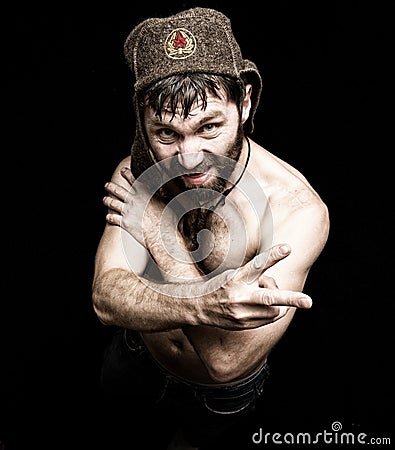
(219, 240)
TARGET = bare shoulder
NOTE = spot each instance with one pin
(312, 219)
(300, 216)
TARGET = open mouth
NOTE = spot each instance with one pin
(196, 178)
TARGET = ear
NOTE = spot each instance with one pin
(246, 104)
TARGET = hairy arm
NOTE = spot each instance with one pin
(123, 294)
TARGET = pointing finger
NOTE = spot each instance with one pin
(277, 297)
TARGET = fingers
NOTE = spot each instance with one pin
(119, 197)
(277, 297)
(251, 271)
(270, 257)
(118, 191)
(114, 219)
(127, 174)
(113, 203)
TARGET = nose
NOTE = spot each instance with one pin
(189, 155)
(190, 160)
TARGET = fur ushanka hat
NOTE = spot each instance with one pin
(194, 40)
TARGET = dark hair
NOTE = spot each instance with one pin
(184, 90)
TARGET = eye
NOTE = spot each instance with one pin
(166, 135)
(209, 127)
(210, 130)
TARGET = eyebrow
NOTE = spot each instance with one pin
(210, 116)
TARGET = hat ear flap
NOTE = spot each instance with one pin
(141, 158)
(251, 75)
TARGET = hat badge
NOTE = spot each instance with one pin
(180, 44)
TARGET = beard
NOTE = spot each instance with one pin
(224, 165)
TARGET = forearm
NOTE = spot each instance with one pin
(121, 298)
(170, 253)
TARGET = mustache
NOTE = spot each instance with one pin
(222, 164)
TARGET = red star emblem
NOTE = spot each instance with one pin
(179, 41)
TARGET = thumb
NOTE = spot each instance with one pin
(127, 174)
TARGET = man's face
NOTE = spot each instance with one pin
(199, 151)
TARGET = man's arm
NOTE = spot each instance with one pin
(122, 294)
(307, 231)
(232, 300)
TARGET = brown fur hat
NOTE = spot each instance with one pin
(195, 40)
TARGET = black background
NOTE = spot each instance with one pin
(326, 108)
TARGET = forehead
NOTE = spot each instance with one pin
(213, 104)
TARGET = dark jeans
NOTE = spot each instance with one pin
(204, 411)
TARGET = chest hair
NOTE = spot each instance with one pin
(205, 236)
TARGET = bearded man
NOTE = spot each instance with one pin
(209, 236)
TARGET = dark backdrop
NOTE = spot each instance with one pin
(326, 109)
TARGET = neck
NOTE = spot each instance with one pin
(240, 167)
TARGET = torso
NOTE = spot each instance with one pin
(236, 238)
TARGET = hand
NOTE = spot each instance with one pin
(137, 211)
(249, 299)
